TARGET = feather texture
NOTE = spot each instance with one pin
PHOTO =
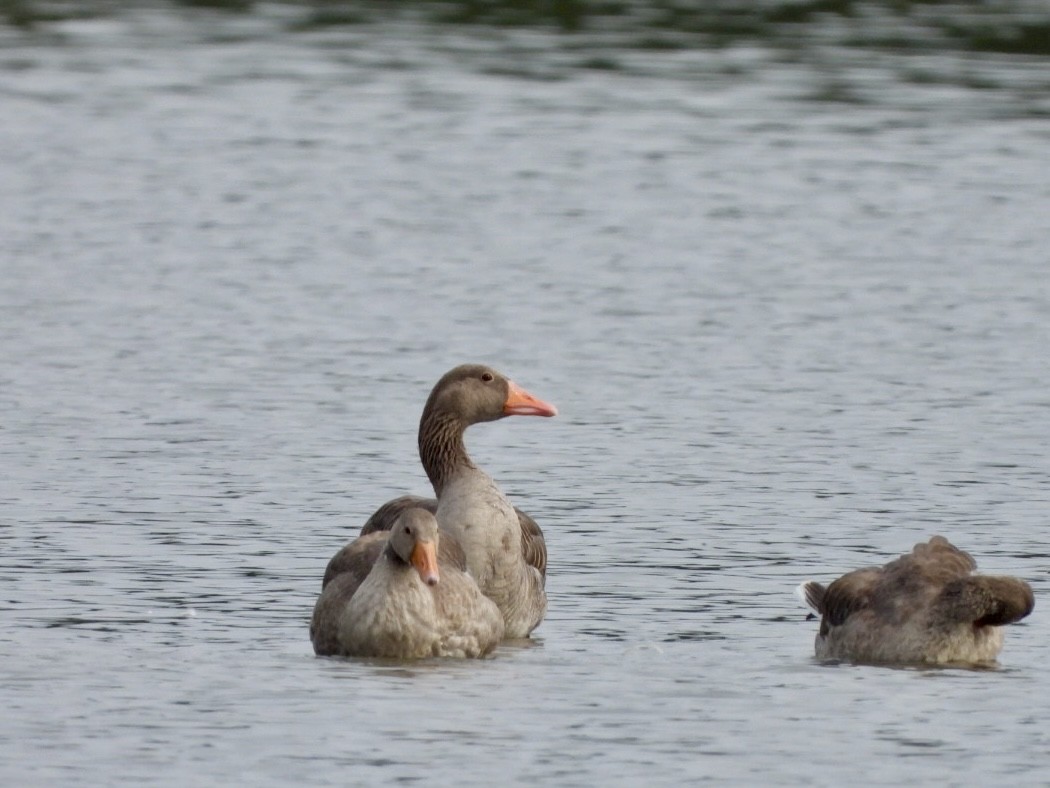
(925, 607)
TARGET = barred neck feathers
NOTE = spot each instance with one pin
(441, 447)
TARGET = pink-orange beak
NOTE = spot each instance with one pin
(520, 403)
(424, 558)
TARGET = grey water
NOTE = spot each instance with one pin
(791, 298)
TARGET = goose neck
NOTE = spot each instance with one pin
(441, 447)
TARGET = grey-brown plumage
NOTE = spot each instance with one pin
(925, 607)
(534, 548)
(502, 547)
(395, 594)
(362, 551)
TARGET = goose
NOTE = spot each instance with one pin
(926, 607)
(503, 547)
(398, 595)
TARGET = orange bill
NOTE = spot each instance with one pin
(425, 560)
(520, 403)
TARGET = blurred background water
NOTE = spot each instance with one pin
(782, 266)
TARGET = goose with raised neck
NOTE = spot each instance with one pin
(504, 548)
(398, 595)
(926, 607)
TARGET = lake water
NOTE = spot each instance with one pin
(792, 302)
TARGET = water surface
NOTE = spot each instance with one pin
(791, 302)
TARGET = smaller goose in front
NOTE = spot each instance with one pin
(926, 607)
(399, 595)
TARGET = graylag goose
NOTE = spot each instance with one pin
(399, 595)
(504, 547)
(926, 607)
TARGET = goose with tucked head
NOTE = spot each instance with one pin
(395, 596)
(926, 607)
(503, 547)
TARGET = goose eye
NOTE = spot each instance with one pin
(408, 530)
(487, 377)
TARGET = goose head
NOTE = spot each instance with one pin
(414, 539)
(475, 393)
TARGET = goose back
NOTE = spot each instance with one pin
(925, 607)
